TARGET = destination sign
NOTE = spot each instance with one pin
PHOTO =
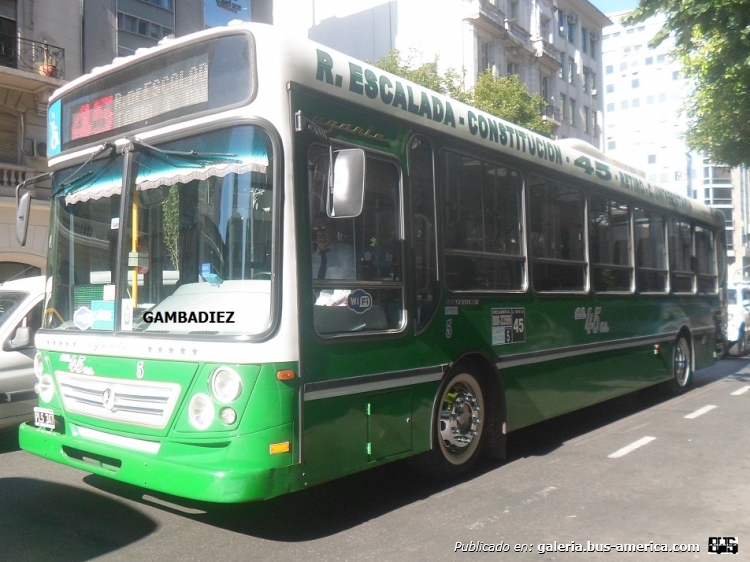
(179, 85)
(186, 81)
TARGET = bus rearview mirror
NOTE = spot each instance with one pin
(348, 185)
(22, 217)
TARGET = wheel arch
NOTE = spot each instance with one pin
(685, 332)
(483, 367)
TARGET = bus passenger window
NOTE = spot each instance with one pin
(422, 183)
(650, 245)
(705, 261)
(483, 226)
(681, 267)
(556, 236)
(609, 246)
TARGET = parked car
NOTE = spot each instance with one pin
(738, 319)
(21, 311)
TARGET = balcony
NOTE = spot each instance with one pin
(549, 54)
(11, 175)
(517, 32)
(32, 56)
(483, 12)
(551, 113)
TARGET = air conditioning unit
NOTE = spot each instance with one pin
(593, 92)
(572, 18)
(39, 149)
(563, 31)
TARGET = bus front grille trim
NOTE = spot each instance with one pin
(143, 403)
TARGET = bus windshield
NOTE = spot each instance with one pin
(196, 230)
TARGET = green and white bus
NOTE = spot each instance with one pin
(193, 345)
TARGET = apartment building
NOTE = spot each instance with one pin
(40, 47)
(552, 45)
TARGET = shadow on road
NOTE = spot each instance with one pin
(47, 521)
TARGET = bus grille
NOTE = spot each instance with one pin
(143, 403)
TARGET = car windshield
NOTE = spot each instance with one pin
(196, 234)
(9, 301)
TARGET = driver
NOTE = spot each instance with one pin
(331, 259)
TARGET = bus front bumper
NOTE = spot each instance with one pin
(219, 473)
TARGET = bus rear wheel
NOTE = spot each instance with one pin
(458, 425)
(682, 369)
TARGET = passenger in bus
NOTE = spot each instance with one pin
(331, 259)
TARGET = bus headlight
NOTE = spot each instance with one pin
(225, 384)
(46, 388)
(38, 365)
(201, 411)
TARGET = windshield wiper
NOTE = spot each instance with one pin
(74, 178)
(203, 157)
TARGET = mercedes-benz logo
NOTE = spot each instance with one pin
(108, 399)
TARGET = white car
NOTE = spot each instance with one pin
(21, 311)
(738, 318)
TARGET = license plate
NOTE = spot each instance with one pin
(44, 417)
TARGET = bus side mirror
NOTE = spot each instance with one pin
(348, 185)
(23, 205)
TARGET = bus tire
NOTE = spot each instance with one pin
(682, 367)
(457, 427)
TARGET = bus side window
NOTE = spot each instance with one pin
(421, 180)
(609, 245)
(681, 263)
(650, 261)
(483, 227)
(705, 261)
(556, 236)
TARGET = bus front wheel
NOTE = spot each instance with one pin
(458, 424)
(682, 369)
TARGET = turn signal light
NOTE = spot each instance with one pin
(285, 375)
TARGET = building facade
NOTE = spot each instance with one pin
(552, 45)
(644, 126)
(40, 47)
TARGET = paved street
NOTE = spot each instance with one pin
(646, 469)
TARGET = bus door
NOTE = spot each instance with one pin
(358, 363)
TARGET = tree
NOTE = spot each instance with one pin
(508, 98)
(505, 97)
(712, 40)
(426, 74)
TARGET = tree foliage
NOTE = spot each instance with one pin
(426, 74)
(506, 97)
(712, 40)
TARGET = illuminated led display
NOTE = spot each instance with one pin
(184, 82)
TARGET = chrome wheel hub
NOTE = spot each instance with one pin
(460, 417)
(681, 371)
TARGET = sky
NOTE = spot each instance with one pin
(614, 5)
